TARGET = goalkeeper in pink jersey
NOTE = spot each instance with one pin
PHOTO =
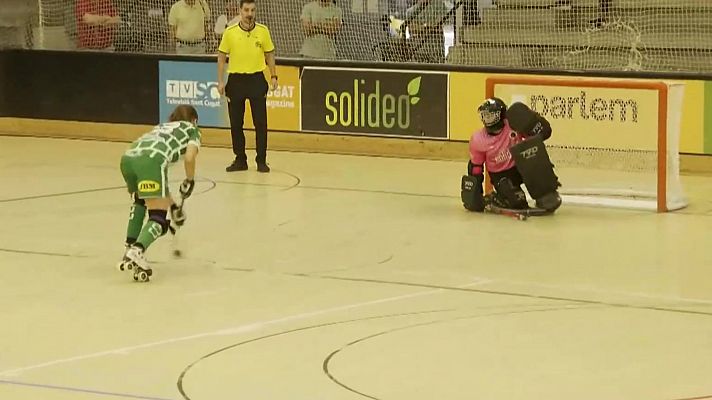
(511, 148)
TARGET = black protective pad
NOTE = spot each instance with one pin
(159, 216)
(550, 201)
(509, 195)
(533, 163)
(527, 122)
(471, 193)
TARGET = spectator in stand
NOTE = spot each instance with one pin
(187, 21)
(603, 13)
(96, 24)
(321, 21)
(16, 23)
(425, 21)
(152, 25)
(230, 17)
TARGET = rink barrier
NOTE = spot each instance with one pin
(116, 96)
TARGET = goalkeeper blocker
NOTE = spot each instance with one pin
(471, 193)
(528, 122)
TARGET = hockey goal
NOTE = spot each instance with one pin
(615, 141)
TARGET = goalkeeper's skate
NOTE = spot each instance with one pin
(135, 261)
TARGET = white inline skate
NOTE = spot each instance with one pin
(135, 261)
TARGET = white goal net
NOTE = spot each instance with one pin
(615, 142)
(635, 35)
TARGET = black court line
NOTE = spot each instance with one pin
(81, 390)
(211, 182)
(49, 195)
(43, 253)
(298, 184)
(212, 185)
(183, 374)
(329, 358)
(339, 189)
(297, 180)
(258, 184)
(388, 192)
(354, 267)
(503, 293)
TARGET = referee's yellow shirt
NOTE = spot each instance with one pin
(246, 49)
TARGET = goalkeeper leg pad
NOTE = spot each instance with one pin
(535, 167)
(549, 202)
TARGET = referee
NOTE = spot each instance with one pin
(250, 48)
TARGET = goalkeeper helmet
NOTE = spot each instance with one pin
(492, 114)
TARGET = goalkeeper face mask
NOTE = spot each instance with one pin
(492, 114)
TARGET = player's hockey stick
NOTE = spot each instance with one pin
(175, 242)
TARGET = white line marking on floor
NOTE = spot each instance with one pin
(229, 331)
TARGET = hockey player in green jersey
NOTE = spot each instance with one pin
(144, 167)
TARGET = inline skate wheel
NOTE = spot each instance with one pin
(142, 276)
(124, 265)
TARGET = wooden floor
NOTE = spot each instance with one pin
(340, 278)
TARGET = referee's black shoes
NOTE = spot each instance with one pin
(241, 165)
(262, 167)
(237, 165)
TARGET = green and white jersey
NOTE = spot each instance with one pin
(167, 141)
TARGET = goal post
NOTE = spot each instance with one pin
(615, 142)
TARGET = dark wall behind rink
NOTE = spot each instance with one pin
(124, 88)
(79, 86)
(4, 82)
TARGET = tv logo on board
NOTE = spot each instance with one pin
(194, 93)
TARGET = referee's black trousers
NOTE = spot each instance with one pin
(252, 87)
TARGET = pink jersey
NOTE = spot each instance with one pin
(492, 151)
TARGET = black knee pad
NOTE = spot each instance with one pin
(137, 201)
(510, 195)
(159, 216)
(549, 202)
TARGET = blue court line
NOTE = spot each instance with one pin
(80, 390)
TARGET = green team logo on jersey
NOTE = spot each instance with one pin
(149, 186)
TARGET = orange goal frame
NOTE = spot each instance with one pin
(661, 88)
